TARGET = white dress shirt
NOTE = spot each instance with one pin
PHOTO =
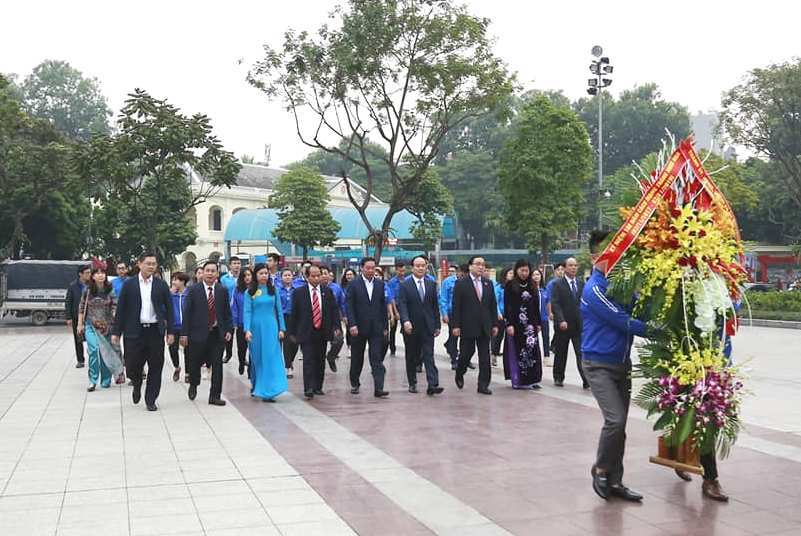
(368, 283)
(147, 314)
(418, 283)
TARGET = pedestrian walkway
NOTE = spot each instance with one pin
(516, 462)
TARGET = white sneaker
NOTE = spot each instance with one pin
(548, 361)
(289, 373)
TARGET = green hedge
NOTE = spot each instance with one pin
(770, 315)
(773, 301)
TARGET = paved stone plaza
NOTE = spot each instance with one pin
(73, 462)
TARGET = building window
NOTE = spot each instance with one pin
(215, 219)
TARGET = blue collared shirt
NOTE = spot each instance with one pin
(339, 295)
(446, 295)
(286, 298)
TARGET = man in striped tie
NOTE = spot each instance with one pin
(314, 321)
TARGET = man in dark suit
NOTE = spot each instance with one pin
(474, 321)
(418, 305)
(72, 303)
(314, 321)
(206, 327)
(565, 303)
(144, 315)
(367, 324)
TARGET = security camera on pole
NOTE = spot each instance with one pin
(601, 70)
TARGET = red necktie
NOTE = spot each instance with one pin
(212, 310)
(317, 315)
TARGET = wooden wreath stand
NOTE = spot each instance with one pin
(684, 458)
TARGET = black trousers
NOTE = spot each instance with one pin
(467, 347)
(241, 345)
(497, 340)
(376, 357)
(393, 328)
(314, 361)
(336, 347)
(710, 465)
(452, 347)
(229, 348)
(545, 337)
(209, 352)
(420, 349)
(78, 341)
(561, 340)
(290, 348)
(147, 348)
(175, 355)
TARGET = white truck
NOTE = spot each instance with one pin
(36, 289)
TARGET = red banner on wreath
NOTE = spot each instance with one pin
(642, 212)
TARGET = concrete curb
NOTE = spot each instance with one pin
(786, 324)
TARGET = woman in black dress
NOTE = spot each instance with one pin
(521, 358)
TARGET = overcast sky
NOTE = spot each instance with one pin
(189, 52)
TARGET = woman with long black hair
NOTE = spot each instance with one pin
(95, 316)
(521, 358)
(243, 283)
(264, 329)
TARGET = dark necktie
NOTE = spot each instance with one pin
(212, 310)
(317, 315)
(573, 288)
(420, 290)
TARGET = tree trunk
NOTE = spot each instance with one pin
(379, 248)
(544, 245)
(305, 252)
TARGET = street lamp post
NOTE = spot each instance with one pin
(601, 70)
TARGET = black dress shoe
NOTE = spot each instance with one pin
(152, 407)
(419, 368)
(241, 369)
(319, 392)
(470, 365)
(600, 484)
(309, 395)
(684, 475)
(137, 394)
(381, 394)
(192, 392)
(332, 364)
(354, 390)
(412, 388)
(80, 364)
(459, 379)
(227, 358)
(91, 388)
(216, 402)
(559, 383)
(622, 492)
(431, 391)
(454, 366)
(485, 390)
(176, 375)
(585, 386)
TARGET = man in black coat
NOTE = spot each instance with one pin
(474, 321)
(144, 315)
(205, 329)
(367, 324)
(72, 303)
(314, 321)
(565, 303)
(418, 305)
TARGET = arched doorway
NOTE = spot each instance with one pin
(190, 263)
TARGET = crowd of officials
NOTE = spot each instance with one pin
(266, 315)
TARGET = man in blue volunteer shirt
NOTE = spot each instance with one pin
(122, 276)
(327, 279)
(607, 335)
(445, 307)
(393, 288)
(228, 280)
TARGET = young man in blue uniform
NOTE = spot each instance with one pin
(607, 335)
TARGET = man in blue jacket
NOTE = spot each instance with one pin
(445, 306)
(607, 335)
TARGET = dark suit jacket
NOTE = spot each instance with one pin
(424, 315)
(72, 301)
(195, 320)
(474, 318)
(370, 316)
(129, 305)
(565, 306)
(301, 323)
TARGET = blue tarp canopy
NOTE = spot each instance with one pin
(257, 225)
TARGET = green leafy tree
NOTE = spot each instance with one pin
(764, 114)
(141, 177)
(42, 206)
(634, 124)
(301, 198)
(774, 219)
(399, 72)
(432, 201)
(543, 169)
(74, 104)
